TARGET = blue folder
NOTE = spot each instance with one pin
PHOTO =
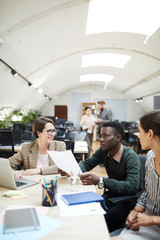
(80, 198)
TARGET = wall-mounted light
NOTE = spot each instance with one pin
(14, 73)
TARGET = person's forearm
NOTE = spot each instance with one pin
(156, 220)
(138, 208)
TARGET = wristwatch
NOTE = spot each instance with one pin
(101, 183)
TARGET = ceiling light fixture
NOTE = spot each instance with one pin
(139, 100)
(96, 78)
(105, 59)
(30, 84)
(15, 73)
(101, 17)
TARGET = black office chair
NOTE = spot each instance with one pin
(28, 136)
(120, 199)
(19, 126)
(6, 141)
(61, 133)
(69, 145)
(17, 136)
(68, 125)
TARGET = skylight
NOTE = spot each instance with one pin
(105, 59)
(96, 78)
(135, 16)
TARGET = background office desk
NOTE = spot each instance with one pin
(81, 147)
(17, 148)
(74, 228)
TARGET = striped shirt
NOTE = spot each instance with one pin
(150, 198)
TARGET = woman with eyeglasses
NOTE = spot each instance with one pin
(33, 156)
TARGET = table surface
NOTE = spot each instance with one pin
(77, 227)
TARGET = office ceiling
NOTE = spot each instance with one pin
(45, 42)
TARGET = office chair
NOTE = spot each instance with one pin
(120, 199)
(77, 136)
(6, 143)
(61, 133)
(19, 126)
(17, 136)
(28, 136)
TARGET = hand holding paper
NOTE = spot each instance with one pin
(65, 161)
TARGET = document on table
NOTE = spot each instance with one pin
(66, 161)
(78, 210)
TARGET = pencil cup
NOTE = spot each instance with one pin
(49, 195)
(75, 183)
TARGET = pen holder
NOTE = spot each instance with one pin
(49, 195)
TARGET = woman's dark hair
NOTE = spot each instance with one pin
(87, 107)
(151, 121)
(39, 125)
(118, 128)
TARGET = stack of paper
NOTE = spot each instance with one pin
(77, 210)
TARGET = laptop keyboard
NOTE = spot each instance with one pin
(18, 184)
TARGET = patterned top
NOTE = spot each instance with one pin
(150, 198)
(28, 155)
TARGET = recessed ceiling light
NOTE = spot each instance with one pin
(97, 78)
(132, 16)
(105, 59)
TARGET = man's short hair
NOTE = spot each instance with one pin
(116, 126)
(101, 102)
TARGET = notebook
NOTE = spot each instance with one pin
(80, 198)
(7, 178)
(20, 220)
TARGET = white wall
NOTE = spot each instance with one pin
(93, 93)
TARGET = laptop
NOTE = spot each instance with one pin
(7, 177)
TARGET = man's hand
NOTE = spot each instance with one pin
(89, 178)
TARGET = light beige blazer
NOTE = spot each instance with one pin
(28, 155)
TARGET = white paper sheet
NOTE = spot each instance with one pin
(78, 210)
(66, 161)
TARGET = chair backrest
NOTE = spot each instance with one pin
(60, 132)
(77, 136)
(17, 135)
(6, 139)
(142, 159)
(19, 126)
(27, 135)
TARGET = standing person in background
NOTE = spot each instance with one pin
(88, 123)
(33, 156)
(103, 115)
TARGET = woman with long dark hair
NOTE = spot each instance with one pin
(143, 223)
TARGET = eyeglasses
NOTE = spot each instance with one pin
(50, 131)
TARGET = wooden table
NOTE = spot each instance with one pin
(76, 228)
